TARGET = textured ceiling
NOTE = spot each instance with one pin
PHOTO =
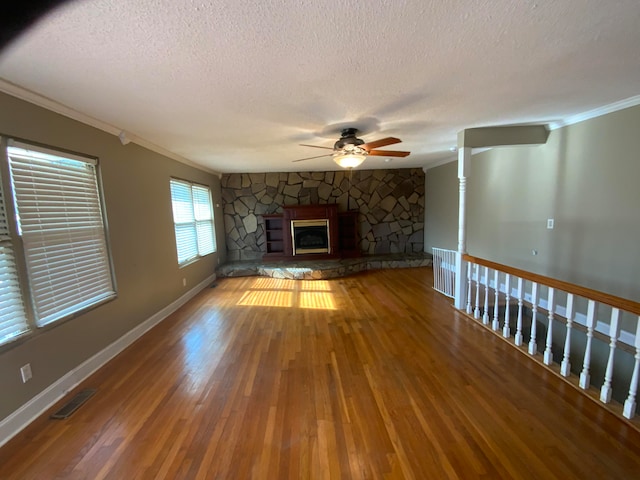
(235, 86)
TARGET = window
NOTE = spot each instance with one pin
(193, 220)
(60, 226)
(13, 319)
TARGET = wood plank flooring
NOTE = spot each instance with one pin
(372, 376)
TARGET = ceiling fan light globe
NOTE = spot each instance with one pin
(349, 160)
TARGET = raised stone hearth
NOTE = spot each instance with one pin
(323, 269)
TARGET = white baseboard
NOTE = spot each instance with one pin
(27, 413)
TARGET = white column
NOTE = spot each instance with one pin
(464, 155)
(565, 366)
(585, 376)
(518, 336)
(533, 346)
(614, 332)
(630, 403)
(548, 354)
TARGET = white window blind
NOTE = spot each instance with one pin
(13, 321)
(204, 219)
(193, 219)
(60, 221)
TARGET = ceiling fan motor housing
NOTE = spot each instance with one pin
(348, 137)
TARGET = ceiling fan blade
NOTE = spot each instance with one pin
(383, 142)
(315, 146)
(388, 153)
(309, 158)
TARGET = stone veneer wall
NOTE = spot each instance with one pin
(390, 202)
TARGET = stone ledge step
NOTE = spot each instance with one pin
(323, 269)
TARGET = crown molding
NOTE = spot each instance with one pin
(45, 102)
(597, 112)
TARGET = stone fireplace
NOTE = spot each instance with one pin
(389, 205)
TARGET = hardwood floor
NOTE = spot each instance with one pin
(369, 376)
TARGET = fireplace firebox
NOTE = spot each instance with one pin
(310, 236)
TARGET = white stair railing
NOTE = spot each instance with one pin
(600, 316)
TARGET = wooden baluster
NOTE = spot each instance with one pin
(629, 410)
(585, 376)
(496, 305)
(614, 332)
(469, 288)
(476, 310)
(506, 329)
(548, 354)
(565, 366)
(533, 346)
(518, 335)
(485, 314)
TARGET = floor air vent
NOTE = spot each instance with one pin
(75, 403)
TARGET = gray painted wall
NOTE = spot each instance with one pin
(441, 207)
(585, 177)
(138, 206)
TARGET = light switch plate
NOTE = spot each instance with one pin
(25, 372)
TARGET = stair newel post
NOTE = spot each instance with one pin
(614, 332)
(548, 354)
(464, 156)
(585, 376)
(533, 346)
(469, 275)
(476, 310)
(518, 335)
(565, 366)
(496, 305)
(630, 403)
(485, 313)
(506, 329)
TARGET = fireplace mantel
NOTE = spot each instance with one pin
(342, 231)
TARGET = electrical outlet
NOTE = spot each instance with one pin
(184, 282)
(550, 223)
(25, 372)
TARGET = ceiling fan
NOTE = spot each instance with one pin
(350, 151)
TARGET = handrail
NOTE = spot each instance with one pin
(601, 297)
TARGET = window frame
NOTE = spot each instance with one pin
(194, 222)
(17, 240)
(15, 251)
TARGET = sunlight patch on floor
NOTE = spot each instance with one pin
(268, 283)
(318, 300)
(266, 298)
(315, 285)
(277, 292)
